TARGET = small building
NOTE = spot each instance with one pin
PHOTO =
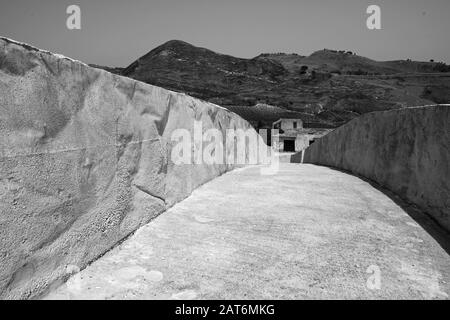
(293, 137)
(288, 124)
(290, 137)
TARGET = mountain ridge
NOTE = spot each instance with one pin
(330, 86)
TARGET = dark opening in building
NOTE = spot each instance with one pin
(269, 138)
(289, 145)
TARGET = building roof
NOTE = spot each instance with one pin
(289, 119)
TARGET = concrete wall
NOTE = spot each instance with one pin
(301, 142)
(84, 162)
(406, 151)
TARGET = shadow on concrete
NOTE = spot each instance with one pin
(297, 157)
(428, 223)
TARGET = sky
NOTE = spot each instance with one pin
(115, 33)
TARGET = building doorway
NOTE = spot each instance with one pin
(289, 146)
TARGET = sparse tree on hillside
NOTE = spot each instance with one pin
(303, 69)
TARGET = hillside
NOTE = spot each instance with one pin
(328, 87)
(348, 63)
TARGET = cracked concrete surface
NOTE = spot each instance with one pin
(308, 232)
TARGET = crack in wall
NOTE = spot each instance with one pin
(144, 190)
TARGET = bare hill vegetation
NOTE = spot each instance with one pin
(328, 87)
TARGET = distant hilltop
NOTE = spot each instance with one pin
(329, 87)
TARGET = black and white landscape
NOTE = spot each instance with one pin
(293, 150)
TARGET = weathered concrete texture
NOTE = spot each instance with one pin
(84, 162)
(406, 151)
(308, 232)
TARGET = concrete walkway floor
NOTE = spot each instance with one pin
(308, 232)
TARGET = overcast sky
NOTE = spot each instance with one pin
(115, 33)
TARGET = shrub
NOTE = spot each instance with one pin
(303, 69)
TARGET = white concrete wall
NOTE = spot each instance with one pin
(85, 161)
(406, 151)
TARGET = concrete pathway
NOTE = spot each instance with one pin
(307, 232)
